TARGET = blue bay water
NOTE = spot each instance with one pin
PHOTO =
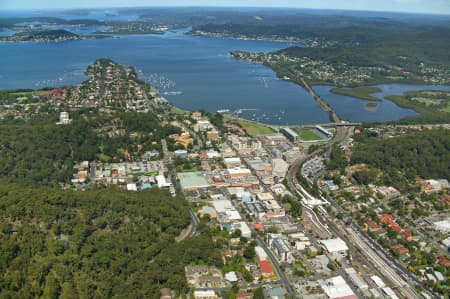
(199, 68)
(353, 109)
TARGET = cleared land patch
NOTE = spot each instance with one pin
(252, 128)
(309, 135)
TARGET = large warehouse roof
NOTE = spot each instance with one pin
(337, 288)
(192, 180)
(334, 245)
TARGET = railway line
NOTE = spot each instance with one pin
(398, 276)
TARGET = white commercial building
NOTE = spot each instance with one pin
(238, 172)
(245, 230)
(279, 168)
(203, 125)
(64, 118)
(213, 154)
(334, 246)
(291, 134)
(336, 287)
(222, 205)
(446, 243)
(232, 162)
(243, 227)
(231, 277)
(378, 281)
(161, 181)
(356, 279)
(225, 207)
(443, 226)
(131, 187)
(207, 294)
(264, 196)
(324, 131)
(260, 253)
(282, 248)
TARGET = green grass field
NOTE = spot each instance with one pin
(309, 135)
(362, 93)
(253, 129)
(427, 101)
(27, 93)
(177, 110)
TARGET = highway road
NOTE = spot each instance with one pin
(276, 265)
(273, 259)
(195, 222)
(242, 287)
(194, 219)
(165, 151)
(342, 133)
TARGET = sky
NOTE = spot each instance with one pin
(416, 6)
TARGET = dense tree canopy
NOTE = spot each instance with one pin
(94, 244)
(425, 153)
(361, 41)
(46, 152)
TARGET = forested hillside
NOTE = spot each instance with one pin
(359, 41)
(397, 161)
(425, 154)
(94, 244)
(408, 51)
(45, 153)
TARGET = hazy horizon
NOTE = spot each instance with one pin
(441, 7)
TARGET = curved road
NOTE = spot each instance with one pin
(342, 132)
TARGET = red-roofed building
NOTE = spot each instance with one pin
(218, 179)
(203, 155)
(387, 218)
(266, 268)
(231, 253)
(395, 227)
(373, 226)
(273, 215)
(57, 92)
(407, 234)
(400, 249)
(444, 261)
(259, 227)
(445, 198)
(127, 155)
(53, 93)
(248, 295)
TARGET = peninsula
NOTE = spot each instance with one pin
(58, 35)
